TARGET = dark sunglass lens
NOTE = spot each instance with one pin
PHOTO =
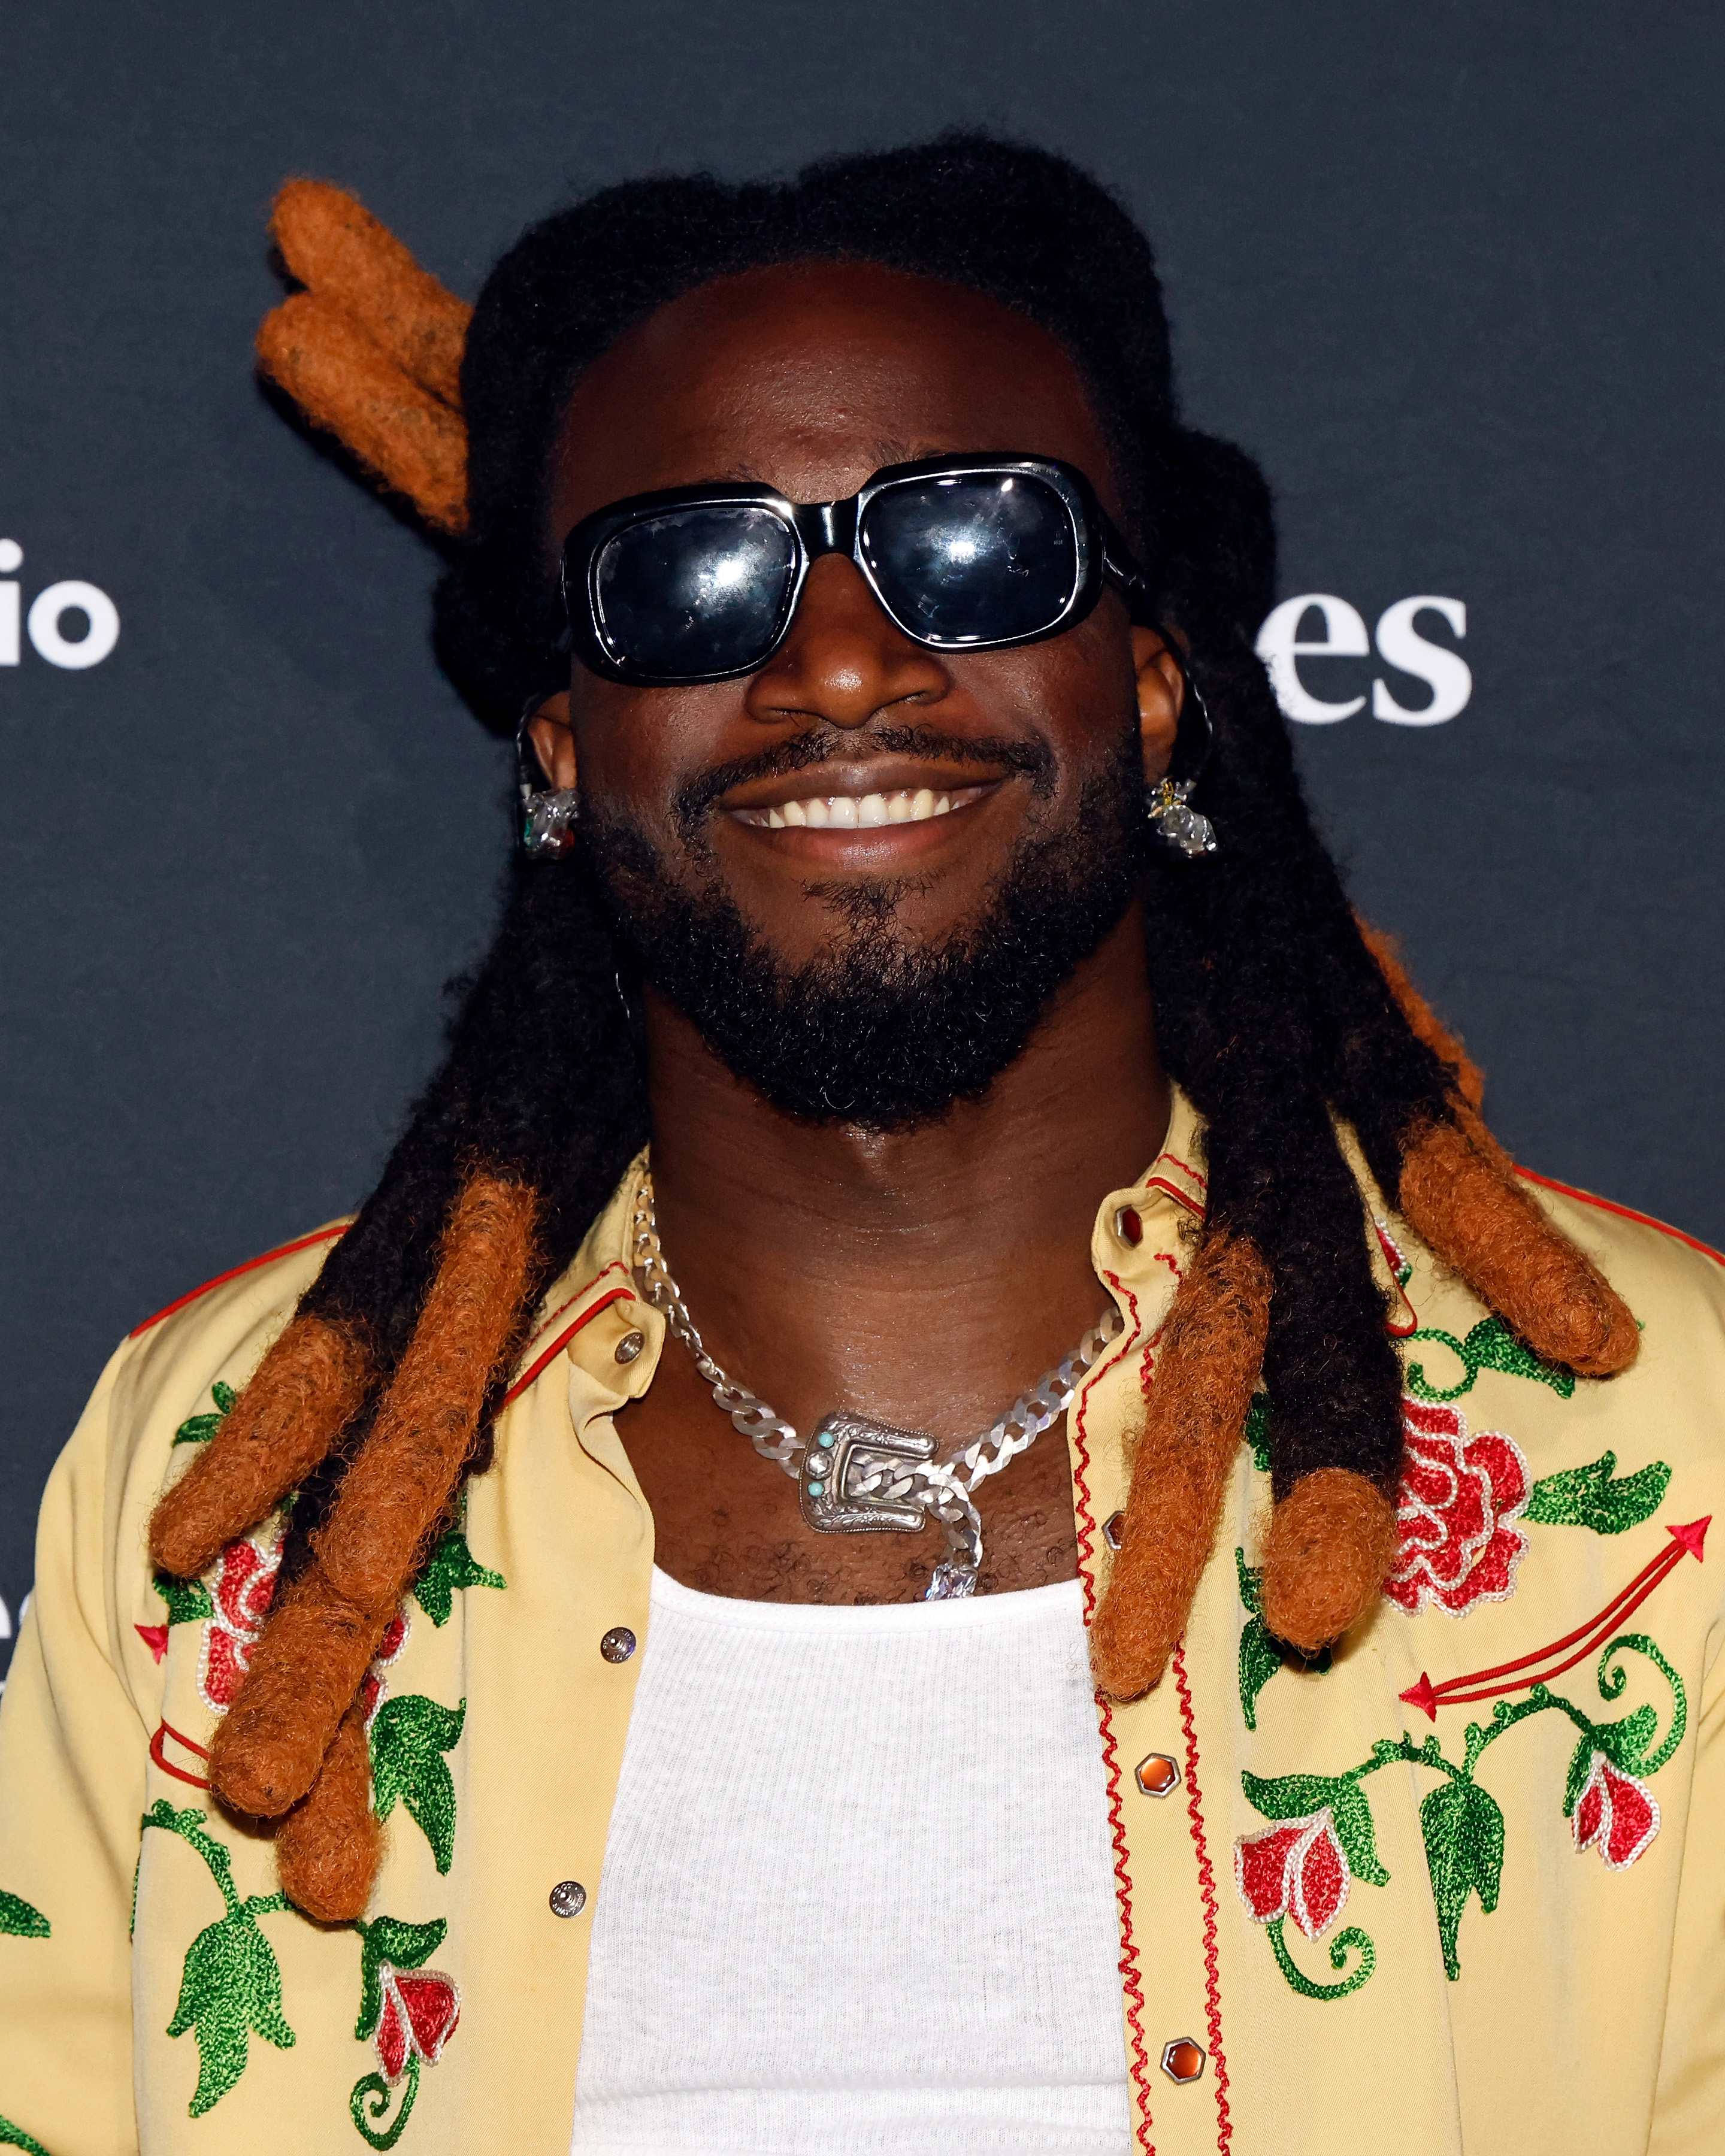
(695, 590)
(974, 559)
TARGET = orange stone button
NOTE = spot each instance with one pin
(1156, 1774)
(1182, 2060)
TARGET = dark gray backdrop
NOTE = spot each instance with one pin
(1451, 272)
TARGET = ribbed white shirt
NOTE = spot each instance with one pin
(857, 1892)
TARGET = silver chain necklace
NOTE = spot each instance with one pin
(856, 1475)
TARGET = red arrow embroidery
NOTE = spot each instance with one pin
(1686, 1541)
(157, 1752)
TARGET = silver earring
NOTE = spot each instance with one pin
(1178, 828)
(549, 814)
(1181, 829)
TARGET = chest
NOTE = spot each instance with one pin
(730, 1522)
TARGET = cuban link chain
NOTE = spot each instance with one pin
(859, 1475)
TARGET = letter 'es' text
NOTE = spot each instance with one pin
(1284, 639)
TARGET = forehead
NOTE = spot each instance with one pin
(810, 376)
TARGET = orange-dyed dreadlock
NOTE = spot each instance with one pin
(1277, 1012)
(370, 350)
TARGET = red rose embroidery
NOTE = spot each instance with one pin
(241, 1593)
(1461, 1497)
(420, 2010)
(1614, 1814)
(371, 1690)
(1297, 1869)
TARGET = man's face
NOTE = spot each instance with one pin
(810, 379)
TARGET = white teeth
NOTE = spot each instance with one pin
(850, 811)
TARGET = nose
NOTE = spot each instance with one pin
(845, 658)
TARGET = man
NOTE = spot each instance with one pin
(919, 864)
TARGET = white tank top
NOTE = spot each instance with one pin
(857, 1892)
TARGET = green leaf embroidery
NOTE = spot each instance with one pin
(402, 1946)
(1297, 1796)
(1625, 1744)
(369, 2100)
(1261, 1654)
(20, 1920)
(1306, 1986)
(231, 1987)
(1256, 1432)
(14, 2136)
(187, 1600)
(1463, 1831)
(1259, 1658)
(409, 1739)
(1461, 1823)
(1489, 1346)
(1581, 1761)
(450, 1569)
(1592, 1496)
(200, 1429)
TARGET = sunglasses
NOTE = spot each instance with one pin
(964, 553)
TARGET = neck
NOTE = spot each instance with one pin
(923, 1276)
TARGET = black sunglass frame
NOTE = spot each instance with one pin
(1100, 555)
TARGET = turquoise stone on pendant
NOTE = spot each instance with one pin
(846, 1441)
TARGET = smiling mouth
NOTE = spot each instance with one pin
(854, 812)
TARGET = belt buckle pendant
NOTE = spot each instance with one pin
(844, 1442)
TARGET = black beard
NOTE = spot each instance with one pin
(879, 1034)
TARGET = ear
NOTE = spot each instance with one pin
(1162, 690)
(553, 740)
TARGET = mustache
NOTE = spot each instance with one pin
(805, 751)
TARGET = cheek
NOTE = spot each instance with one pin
(637, 748)
(1078, 691)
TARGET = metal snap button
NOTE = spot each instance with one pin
(1157, 1775)
(630, 1346)
(568, 1898)
(618, 1645)
(1182, 2060)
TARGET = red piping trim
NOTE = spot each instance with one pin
(1207, 1891)
(1185, 1168)
(563, 1339)
(1132, 1984)
(235, 1272)
(1180, 1197)
(166, 1765)
(569, 1302)
(1622, 1213)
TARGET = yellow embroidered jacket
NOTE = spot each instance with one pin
(1461, 1890)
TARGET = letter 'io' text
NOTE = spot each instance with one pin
(51, 612)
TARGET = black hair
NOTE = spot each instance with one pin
(1270, 1011)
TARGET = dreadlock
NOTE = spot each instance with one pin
(1282, 1020)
